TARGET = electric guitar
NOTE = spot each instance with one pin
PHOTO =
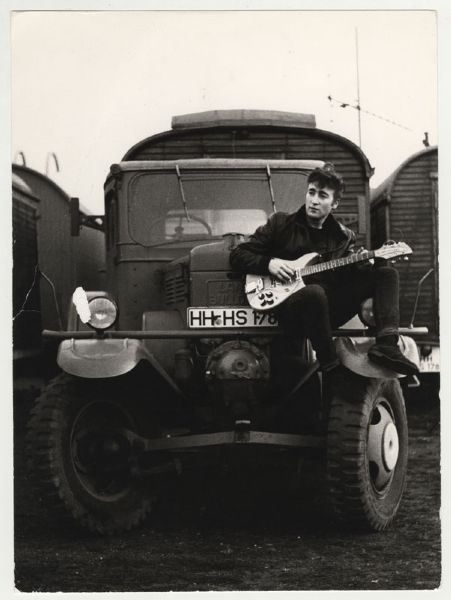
(266, 292)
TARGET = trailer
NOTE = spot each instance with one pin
(26, 309)
(405, 206)
(48, 261)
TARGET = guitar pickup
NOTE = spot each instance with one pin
(254, 286)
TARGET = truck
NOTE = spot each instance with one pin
(169, 365)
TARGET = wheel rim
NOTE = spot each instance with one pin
(383, 446)
(100, 451)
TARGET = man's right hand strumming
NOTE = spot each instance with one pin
(280, 269)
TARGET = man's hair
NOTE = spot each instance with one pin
(326, 176)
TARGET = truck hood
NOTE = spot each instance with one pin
(215, 256)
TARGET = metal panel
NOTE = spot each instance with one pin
(412, 211)
(66, 261)
(26, 305)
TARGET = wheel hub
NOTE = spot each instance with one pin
(390, 446)
(107, 450)
(100, 450)
(383, 447)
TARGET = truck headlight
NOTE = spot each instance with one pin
(103, 313)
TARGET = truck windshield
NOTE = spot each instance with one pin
(216, 203)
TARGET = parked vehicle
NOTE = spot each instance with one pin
(405, 206)
(27, 324)
(169, 366)
(47, 262)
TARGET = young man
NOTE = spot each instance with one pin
(330, 298)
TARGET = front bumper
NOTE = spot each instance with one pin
(206, 333)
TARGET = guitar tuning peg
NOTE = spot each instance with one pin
(406, 258)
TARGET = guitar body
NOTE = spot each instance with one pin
(265, 292)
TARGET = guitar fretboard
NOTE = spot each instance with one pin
(334, 264)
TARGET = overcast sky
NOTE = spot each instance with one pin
(88, 85)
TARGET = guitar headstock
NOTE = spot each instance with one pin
(391, 250)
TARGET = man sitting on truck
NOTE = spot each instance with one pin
(330, 298)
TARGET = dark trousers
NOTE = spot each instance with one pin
(316, 309)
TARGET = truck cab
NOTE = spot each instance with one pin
(171, 225)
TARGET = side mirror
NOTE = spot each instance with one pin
(75, 222)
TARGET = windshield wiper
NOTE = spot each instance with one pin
(182, 192)
(268, 172)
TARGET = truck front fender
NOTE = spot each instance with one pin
(353, 354)
(100, 358)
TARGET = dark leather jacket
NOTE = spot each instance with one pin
(288, 236)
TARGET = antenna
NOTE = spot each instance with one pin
(47, 162)
(22, 156)
(358, 84)
(343, 104)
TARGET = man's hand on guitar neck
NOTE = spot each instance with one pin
(278, 268)
(360, 250)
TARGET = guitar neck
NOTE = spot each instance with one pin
(335, 264)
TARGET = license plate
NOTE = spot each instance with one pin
(218, 317)
(431, 363)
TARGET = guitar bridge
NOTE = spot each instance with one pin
(254, 286)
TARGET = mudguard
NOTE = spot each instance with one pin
(352, 353)
(100, 358)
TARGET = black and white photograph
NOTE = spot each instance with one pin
(225, 356)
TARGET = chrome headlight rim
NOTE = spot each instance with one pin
(97, 326)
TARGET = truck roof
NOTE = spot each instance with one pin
(240, 117)
(213, 163)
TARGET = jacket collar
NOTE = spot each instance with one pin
(329, 225)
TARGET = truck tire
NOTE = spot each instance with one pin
(81, 462)
(367, 448)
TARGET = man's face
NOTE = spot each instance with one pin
(319, 202)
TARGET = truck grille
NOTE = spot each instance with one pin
(226, 292)
(175, 288)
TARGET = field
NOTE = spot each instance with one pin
(242, 530)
